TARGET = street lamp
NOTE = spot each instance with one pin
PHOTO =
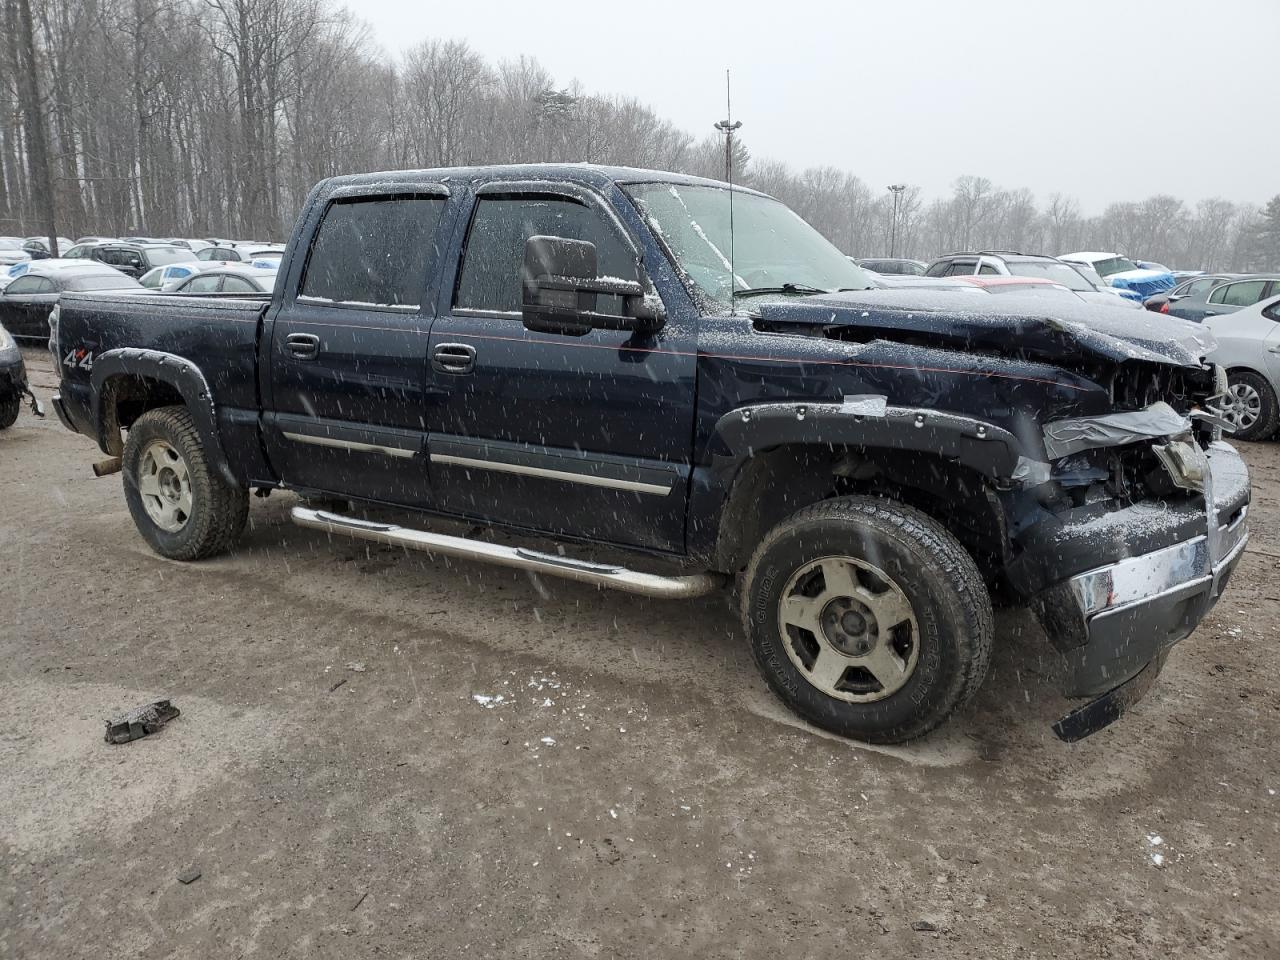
(727, 128)
(896, 189)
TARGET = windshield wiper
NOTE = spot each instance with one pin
(789, 288)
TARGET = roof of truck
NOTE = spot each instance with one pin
(593, 175)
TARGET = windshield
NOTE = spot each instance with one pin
(101, 281)
(1058, 272)
(1106, 268)
(772, 247)
(161, 255)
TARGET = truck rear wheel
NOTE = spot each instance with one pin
(867, 618)
(182, 508)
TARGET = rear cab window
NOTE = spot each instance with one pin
(372, 252)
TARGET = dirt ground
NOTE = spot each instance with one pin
(381, 755)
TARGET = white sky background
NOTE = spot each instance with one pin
(1102, 100)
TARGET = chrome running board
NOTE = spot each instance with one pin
(601, 574)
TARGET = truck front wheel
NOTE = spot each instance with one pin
(182, 508)
(867, 618)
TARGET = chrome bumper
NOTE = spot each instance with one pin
(1204, 562)
(1119, 619)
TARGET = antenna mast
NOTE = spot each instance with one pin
(727, 126)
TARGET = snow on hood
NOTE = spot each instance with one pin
(1034, 326)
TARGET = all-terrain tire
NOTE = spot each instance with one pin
(1268, 410)
(9, 410)
(885, 544)
(218, 509)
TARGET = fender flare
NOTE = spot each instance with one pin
(990, 450)
(168, 368)
(743, 433)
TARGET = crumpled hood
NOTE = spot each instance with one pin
(1001, 324)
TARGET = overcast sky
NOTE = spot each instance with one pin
(1102, 100)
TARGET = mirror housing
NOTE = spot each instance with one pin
(560, 282)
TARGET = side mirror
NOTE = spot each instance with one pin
(560, 283)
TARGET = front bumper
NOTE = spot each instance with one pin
(1114, 621)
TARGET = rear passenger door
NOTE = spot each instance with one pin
(585, 436)
(348, 347)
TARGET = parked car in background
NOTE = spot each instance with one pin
(1226, 297)
(25, 303)
(1118, 271)
(11, 251)
(1003, 263)
(1092, 276)
(92, 240)
(1249, 348)
(1187, 287)
(38, 247)
(169, 276)
(228, 278)
(242, 252)
(13, 382)
(135, 259)
(892, 265)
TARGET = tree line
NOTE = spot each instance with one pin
(215, 117)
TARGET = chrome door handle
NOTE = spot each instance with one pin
(302, 346)
(454, 358)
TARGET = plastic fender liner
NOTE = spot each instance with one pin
(1111, 706)
(169, 368)
(990, 450)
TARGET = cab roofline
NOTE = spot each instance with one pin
(593, 175)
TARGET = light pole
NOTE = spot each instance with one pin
(896, 189)
(727, 128)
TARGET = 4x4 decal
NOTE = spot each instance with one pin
(81, 358)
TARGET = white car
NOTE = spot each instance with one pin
(11, 251)
(1118, 271)
(167, 277)
(228, 278)
(1249, 349)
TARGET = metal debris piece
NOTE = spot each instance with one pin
(140, 721)
(189, 875)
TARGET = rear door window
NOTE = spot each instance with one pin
(372, 252)
(204, 284)
(1242, 294)
(237, 285)
(31, 285)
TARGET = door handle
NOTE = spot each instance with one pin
(302, 346)
(455, 358)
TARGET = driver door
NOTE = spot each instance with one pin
(585, 436)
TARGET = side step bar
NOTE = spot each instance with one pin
(604, 575)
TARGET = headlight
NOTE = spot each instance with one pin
(6, 341)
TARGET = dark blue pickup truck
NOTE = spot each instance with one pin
(654, 362)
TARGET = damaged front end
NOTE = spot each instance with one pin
(1140, 520)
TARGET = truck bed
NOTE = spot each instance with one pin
(221, 330)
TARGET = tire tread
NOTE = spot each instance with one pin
(217, 528)
(910, 527)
